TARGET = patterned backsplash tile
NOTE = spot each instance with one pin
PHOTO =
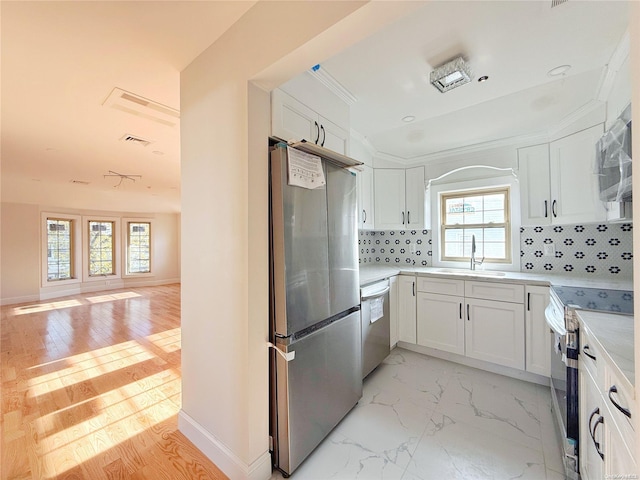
(598, 250)
(396, 247)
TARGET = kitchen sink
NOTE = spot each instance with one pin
(475, 273)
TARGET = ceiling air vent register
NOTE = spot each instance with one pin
(135, 140)
(450, 75)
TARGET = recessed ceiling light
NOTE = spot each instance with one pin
(408, 118)
(560, 70)
(483, 78)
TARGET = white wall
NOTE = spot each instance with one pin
(21, 253)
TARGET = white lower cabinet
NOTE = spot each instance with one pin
(440, 322)
(494, 332)
(481, 320)
(407, 308)
(619, 460)
(592, 428)
(537, 332)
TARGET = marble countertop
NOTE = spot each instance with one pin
(613, 334)
(374, 272)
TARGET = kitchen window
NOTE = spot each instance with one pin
(138, 247)
(101, 248)
(484, 213)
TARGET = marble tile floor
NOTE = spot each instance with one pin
(422, 418)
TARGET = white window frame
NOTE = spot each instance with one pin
(125, 243)
(486, 183)
(116, 250)
(76, 222)
(479, 192)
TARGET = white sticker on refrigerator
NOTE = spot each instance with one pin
(305, 170)
(377, 308)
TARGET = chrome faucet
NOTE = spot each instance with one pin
(474, 262)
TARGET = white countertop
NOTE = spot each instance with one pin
(613, 334)
(373, 272)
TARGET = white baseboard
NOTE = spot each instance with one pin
(479, 364)
(218, 453)
(23, 299)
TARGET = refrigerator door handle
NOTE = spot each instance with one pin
(288, 356)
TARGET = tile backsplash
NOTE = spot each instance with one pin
(599, 250)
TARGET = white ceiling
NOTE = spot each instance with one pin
(60, 61)
(515, 43)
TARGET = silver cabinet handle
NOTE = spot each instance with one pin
(553, 208)
(403, 218)
(364, 216)
(624, 410)
(546, 212)
(408, 217)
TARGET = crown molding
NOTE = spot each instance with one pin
(332, 84)
(618, 57)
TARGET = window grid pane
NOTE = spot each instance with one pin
(484, 214)
(59, 255)
(139, 247)
(101, 248)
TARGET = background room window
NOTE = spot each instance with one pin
(138, 247)
(60, 252)
(483, 213)
(101, 248)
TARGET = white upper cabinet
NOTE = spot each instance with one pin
(365, 198)
(557, 181)
(303, 109)
(535, 195)
(399, 198)
(574, 185)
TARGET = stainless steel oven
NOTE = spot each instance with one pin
(565, 348)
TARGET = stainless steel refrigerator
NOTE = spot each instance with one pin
(315, 306)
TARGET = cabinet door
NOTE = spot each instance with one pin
(365, 198)
(389, 192)
(414, 184)
(494, 332)
(407, 309)
(393, 311)
(574, 185)
(591, 410)
(292, 120)
(440, 322)
(533, 174)
(333, 137)
(619, 459)
(537, 332)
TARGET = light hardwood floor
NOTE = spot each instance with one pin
(91, 389)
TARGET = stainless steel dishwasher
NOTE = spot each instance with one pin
(375, 325)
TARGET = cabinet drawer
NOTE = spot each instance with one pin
(623, 396)
(590, 358)
(442, 286)
(503, 292)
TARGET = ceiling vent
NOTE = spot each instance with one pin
(142, 107)
(450, 75)
(136, 140)
(556, 3)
